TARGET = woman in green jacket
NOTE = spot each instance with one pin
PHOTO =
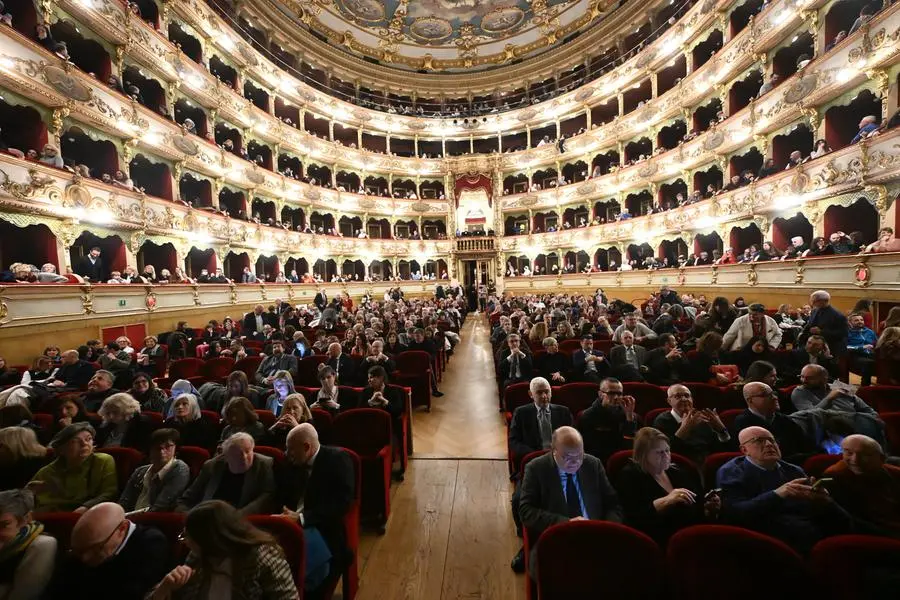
(78, 479)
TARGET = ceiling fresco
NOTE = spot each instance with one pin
(445, 34)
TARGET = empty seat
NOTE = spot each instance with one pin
(414, 371)
(577, 396)
(856, 567)
(367, 431)
(816, 465)
(646, 396)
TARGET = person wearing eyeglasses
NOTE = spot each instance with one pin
(111, 558)
(606, 422)
(695, 433)
(760, 491)
(763, 411)
(156, 487)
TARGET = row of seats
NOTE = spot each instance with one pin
(288, 533)
(591, 559)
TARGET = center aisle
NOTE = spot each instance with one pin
(450, 535)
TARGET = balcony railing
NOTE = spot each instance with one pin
(479, 244)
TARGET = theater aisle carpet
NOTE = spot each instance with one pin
(450, 535)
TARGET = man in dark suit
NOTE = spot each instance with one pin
(667, 296)
(694, 433)
(421, 343)
(827, 321)
(111, 558)
(253, 322)
(814, 352)
(608, 420)
(565, 485)
(589, 364)
(237, 476)
(762, 492)
(277, 361)
(321, 300)
(628, 360)
(762, 411)
(73, 374)
(664, 362)
(316, 491)
(390, 399)
(516, 366)
(343, 365)
(91, 266)
(531, 429)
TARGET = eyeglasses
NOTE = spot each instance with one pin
(761, 440)
(613, 393)
(681, 395)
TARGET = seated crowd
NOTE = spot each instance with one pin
(687, 459)
(122, 439)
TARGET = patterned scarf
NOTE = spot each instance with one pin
(20, 543)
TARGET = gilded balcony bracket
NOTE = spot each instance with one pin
(800, 273)
(21, 191)
(87, 299)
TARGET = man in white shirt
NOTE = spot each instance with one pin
(756, 323)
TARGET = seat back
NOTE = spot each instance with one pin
(217, 369)
(171, 525)
(248, 365)
(308, 369)
(290, 537)
(651, 415)
(892, 430)
(570, 346)
(266, 417)
(817, 464)
(324, 424)
(578, 558)
(646, 396)
(127, 460)
(853, 567)
(413, 362)
(704, 560)
(184, 368)
(883, 398)
(366, 431)
(516, 395)
(577, 396)
(58, 525)
(729, 417)
(272, 452)
(194, 457)
(617, 461)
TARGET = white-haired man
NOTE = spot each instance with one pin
(237, 476)
(827, 321)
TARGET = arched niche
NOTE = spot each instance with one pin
(32, 244)
(161, 256)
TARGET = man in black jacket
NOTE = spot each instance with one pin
(253, 322)
(389, 399)
(73, 374)
(608, 420)
(827, 321)
(343, 365)
(277, 361)
(664, 362)
(694, 433)
(111, 558)
(762, 411)
(317, 490)
(566, 485)
(91, 266)
(420, 342)
(516, 366)
(589, 364)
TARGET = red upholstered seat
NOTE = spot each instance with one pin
(598, 559)
(217, 369)
(155, 419)
(714, 396)
(194, 456)
(414, 371)
(367, 431)
(883, 398)
(720, 561)
(308, 369)
(850, 567)
(290, 537)
(58, 525)
(653, 413)
(570, 346)
(171, 525)
(324, 424)
(526, 542)
(127, 460)
(212, 417)
(646, 396)
(711, 466)
(816, 465)
(576, 396)
(266, 417)
(513, 397)
(892, 430)
(275, 453)
(248, 365)
(350, 576)
(730, 416)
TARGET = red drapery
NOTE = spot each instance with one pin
(474, 181)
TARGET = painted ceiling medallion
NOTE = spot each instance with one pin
(502, 19)
(370, 11)
(431, 29)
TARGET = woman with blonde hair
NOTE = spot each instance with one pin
(282, 387)
(538, 334)
(123, 425)
(893, 317)
(21, 456)
(125, 344)
(293, 412)
(658, 496)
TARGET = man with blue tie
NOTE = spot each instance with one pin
(565, 485)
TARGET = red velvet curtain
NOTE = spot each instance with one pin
(474, 181)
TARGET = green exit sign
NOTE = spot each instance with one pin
(123, 302)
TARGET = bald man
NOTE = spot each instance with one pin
(111, 558)
(866, 487)
(762, 492)
(316, 490)
(566, 485)
(814, 392)
(343, 365)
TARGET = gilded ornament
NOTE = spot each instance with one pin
(862, 275)
(800, 274)
(37, 183)
(87, 299)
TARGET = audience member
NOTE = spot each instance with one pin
(276, 362)
(628, 360)
(157, 486)
(552, 364)
(111, 558)
(827, 321)
(762, 411)
(294, 411)
(123, 425)
(861, 348)
(27, 555)
(515, 367)
(755, 324)
(21, 456)
(639, 329)
(658, 496)
(664, 363)
(814, 392)
(78, 478)
(188, 421)
(609, 421)
(565, 485)
(762, 492)
(694, 433)
(239, 416)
